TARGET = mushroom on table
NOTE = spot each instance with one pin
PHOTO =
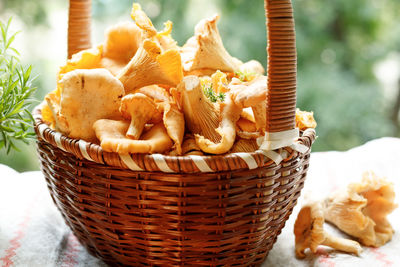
(309, 232)
(361, 210)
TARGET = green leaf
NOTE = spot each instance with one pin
(27, 73)
(221, 97)
(16, 122)
(7, 129)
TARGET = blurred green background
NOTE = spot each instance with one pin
(348, 55)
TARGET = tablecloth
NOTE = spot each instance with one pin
(33, 233)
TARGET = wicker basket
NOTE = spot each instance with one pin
(187, 210)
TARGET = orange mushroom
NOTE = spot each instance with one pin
(309, 232)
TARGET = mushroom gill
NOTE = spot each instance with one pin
(201, 115)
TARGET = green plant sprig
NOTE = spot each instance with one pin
(16, 121)
(210, 94)
(245, 76)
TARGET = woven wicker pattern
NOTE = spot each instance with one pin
(140, 218)
(144, 162)
(188, 210)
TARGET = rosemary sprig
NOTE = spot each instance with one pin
(15, 94)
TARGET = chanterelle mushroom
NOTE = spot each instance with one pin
(309, 232)
(85, 59)
(87, 96)
(252, 94)
(189, 146)
(248, 94)
(156, 92)
(251, 69)
(112, 138)
(164, 37)
(205, 49)
(53, 105)
(142, 21)
(121, 43)
(201, 115)
(219, 82)
(140, 109)
(230, 114)
(305, 120)
(150, 66)
(361, 210)
(174, 122)
(246, 129)
(244, 145)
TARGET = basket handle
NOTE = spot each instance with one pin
(79, 26)
(281, 48)
(282, 65)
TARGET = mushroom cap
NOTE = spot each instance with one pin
(308, 228)
(135, 103)
(151, 66)
(219, 82)
(122, 40)
(205, 49)
(249, 94)
(165, 39)
(361, 211)
(121, 43)
(140, 109)
(47, 115)
(156, 92)
(252, 67)
(143, 21)
(112, 138)
(252, 94)
(305, 120)
(87, 96)
(85, 59)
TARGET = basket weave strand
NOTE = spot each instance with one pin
(142, 210)
(138, 218)
(150, 217)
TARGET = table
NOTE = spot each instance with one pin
(33, 233)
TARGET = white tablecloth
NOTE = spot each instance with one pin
(32, 231)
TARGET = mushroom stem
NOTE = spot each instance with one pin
(342, 244)
(135, 128)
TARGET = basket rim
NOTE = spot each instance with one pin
(92, 152)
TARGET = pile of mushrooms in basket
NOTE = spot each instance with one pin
(139, 92)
